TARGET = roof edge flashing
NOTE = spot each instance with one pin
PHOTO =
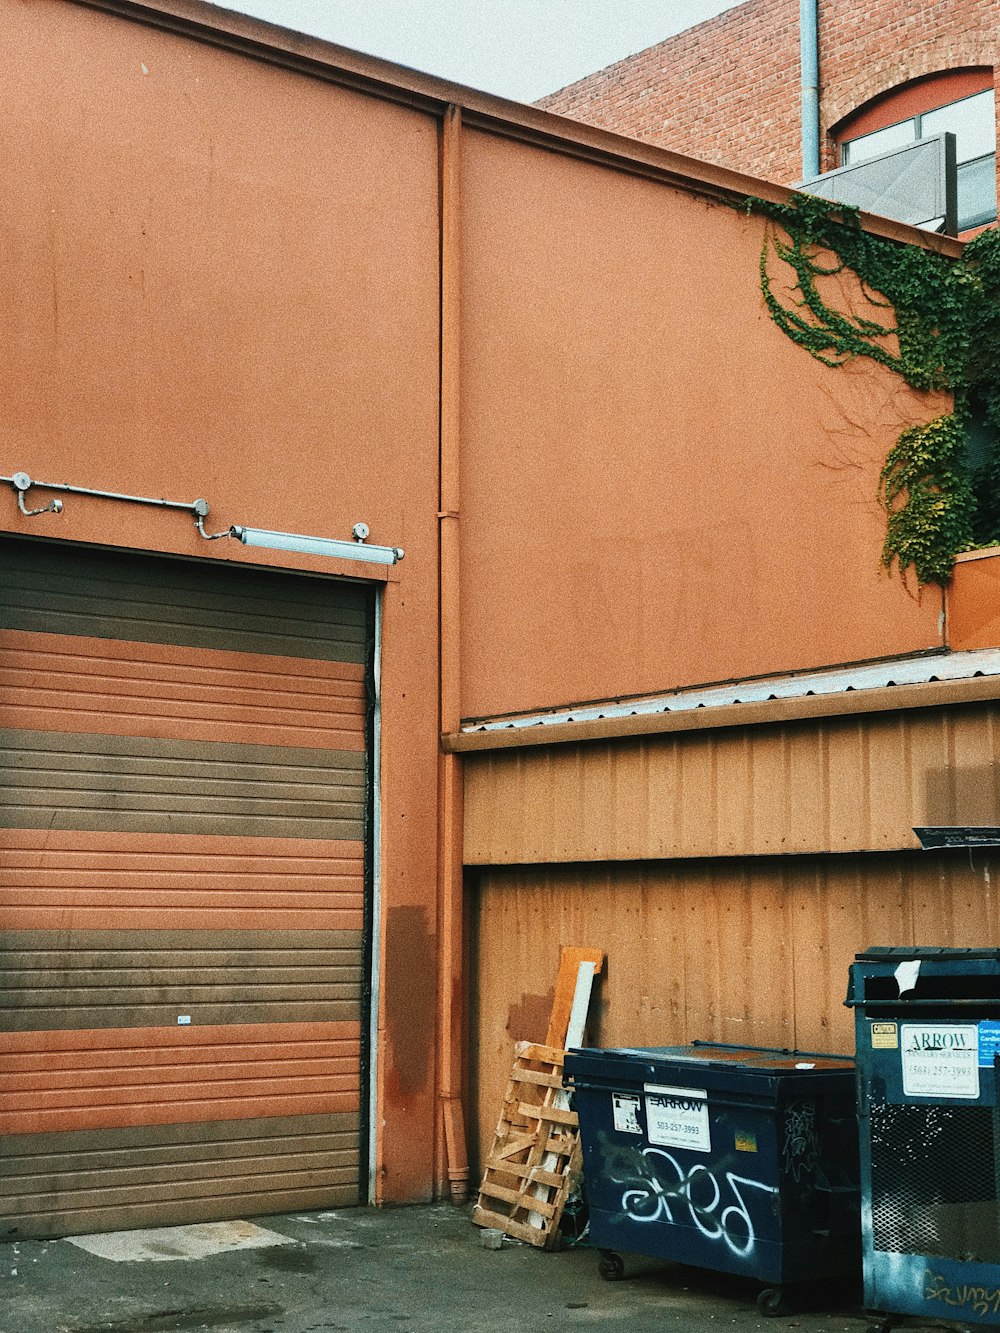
(972, 677)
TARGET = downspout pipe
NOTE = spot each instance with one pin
(451, 931)
(809, 64)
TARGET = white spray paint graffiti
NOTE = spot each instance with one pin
(719, 1211)
(801, 1141)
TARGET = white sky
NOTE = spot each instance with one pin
(516, 48)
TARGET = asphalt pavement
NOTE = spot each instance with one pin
(370, 1271)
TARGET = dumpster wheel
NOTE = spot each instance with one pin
(772, 1302)
(611, 1266)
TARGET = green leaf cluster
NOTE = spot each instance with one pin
(927, 493)
(935, 321)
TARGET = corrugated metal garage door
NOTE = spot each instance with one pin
(183, 804)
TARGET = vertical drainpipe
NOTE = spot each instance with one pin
(451, 1154)
(809, 64)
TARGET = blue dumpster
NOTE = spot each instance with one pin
(927, 1023)
(734, 1158)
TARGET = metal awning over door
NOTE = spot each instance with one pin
(183, 805)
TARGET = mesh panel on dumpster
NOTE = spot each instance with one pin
(934, 1187)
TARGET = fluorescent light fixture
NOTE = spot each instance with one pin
(328, 546)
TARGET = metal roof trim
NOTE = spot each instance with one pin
(772, 698)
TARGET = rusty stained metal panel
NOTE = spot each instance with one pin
(837, 784)
(743, 951)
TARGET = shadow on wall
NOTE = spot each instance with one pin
(965, 796)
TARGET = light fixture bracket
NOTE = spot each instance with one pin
(334, 548)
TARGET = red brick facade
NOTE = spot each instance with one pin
(727, 90)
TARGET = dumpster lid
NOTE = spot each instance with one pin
(886, 953)
(762, 1060)
(907, 974)
(890, 977)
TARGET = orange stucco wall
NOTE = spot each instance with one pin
(209, 291)
(659, 488)
(222, 278)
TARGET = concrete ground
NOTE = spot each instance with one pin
(368, 1271)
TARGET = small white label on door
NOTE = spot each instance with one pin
(678, 1117)
(626, 1113)
(940, 1059)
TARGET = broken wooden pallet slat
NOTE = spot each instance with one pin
(541, 1079)
(543, 1177)
(483, 1217)
(536, 1175)
(515, 1197)
(549, 1114)
(566, 984)
(520, 1143)
(533, 1050)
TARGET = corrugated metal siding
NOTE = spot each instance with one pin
(745, 951)
(183, 794)
(840, 784)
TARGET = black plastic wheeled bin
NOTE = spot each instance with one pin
(927, 1022)
(735, 1158)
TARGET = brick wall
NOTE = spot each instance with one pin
(727, 90)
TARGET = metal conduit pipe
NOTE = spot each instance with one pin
(809, 63)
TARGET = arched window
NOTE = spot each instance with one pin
(959, 101)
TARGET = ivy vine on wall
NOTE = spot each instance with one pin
(933, 320)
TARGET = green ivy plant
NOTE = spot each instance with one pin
(935, 321)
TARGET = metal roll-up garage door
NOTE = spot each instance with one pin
(183, 923)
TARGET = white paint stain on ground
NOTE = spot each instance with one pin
(197, 1241)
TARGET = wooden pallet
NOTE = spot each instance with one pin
(536, 1153)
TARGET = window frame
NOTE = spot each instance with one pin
(970, 221)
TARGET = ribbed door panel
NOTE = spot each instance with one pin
(55, 879)
(94, 979)
(183, 797)
(165, 1174)
(142, 599)
(143, 785)
(58, 683)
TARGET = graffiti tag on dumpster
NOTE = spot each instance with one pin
(940, 1059)
(979, 1300)
(801, 1150)
(656, 1188)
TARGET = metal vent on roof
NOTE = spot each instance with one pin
(917, 183)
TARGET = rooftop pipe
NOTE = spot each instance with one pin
(809, 62)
